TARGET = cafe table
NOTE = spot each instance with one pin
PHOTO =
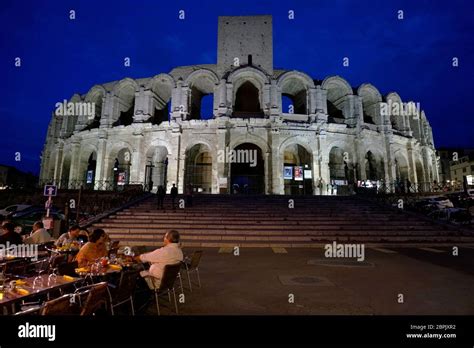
(32, 286)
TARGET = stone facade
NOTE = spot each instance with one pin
(151, 129)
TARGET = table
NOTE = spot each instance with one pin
(10, 298)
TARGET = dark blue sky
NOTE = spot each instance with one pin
(61, 57)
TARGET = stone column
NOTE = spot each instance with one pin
(220, 164)
(57, 163)
(100, 173)
(109, 109)
(75, 161)
(143, 105)
(278, 182)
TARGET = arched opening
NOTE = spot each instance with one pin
(420, 178)
(338, 92)
(126, 117)
(89, 175)
(161, 88)
(402, 180)
(156, 168)
(201, 105)
(126, 105)
(247, 101)
(120, 169)
(374, 167)
(161, 113)
(295, 90)
(341, 172)
(297, 171)
(198, 170)
(335, 115)
(247, 169)
(371, 99)
(201, 102)
(96, 100)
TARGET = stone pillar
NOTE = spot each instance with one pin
(58, 163)
(275, 109)
(75, 161)
(100, 173)
(266, 100)
(109, 109)
(222, 173)
(278, 182)
(143, 105)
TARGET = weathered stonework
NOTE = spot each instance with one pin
(339, 129)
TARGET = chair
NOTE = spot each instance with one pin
(193, 266)
(124, 291)
(60, 306)
(170, 273)
(96, 298)
(30, 311)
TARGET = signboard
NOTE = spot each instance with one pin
(89, 177)
(308, 174)
(223, 182)
(288, 172)
(121, 177)
(50, 190)
(48, 204)
(470, 179)
(298, 173)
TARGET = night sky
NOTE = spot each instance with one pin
(61, 57)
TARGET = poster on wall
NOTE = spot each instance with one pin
(298, 173)
(308, 174)
(89, 177)
(288, 172)
(121, 178)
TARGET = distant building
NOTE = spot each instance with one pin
(10, 177)
(464, 167)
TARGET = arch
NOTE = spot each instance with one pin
(125, 92)
(202, 83)
(296, 85)
(395, 111)
(297, 161)
(95, 95)
(247, 169)
(161, 87)
(252, 78)
(251, 138)
(156, 167)
(371, 99)
(337, 91)
(198, 168)
(374, 166)
(402, 171)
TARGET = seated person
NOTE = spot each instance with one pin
(169, 254)
(38, 235)
(94, 249)
(68, 237)
(9, 235)
(83, 236)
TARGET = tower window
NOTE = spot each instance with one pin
(249, 59)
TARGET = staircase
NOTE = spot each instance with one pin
(267, 221)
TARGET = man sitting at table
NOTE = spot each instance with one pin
(68, 237)
(39, 235)
(169, 254)
(94, 249)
